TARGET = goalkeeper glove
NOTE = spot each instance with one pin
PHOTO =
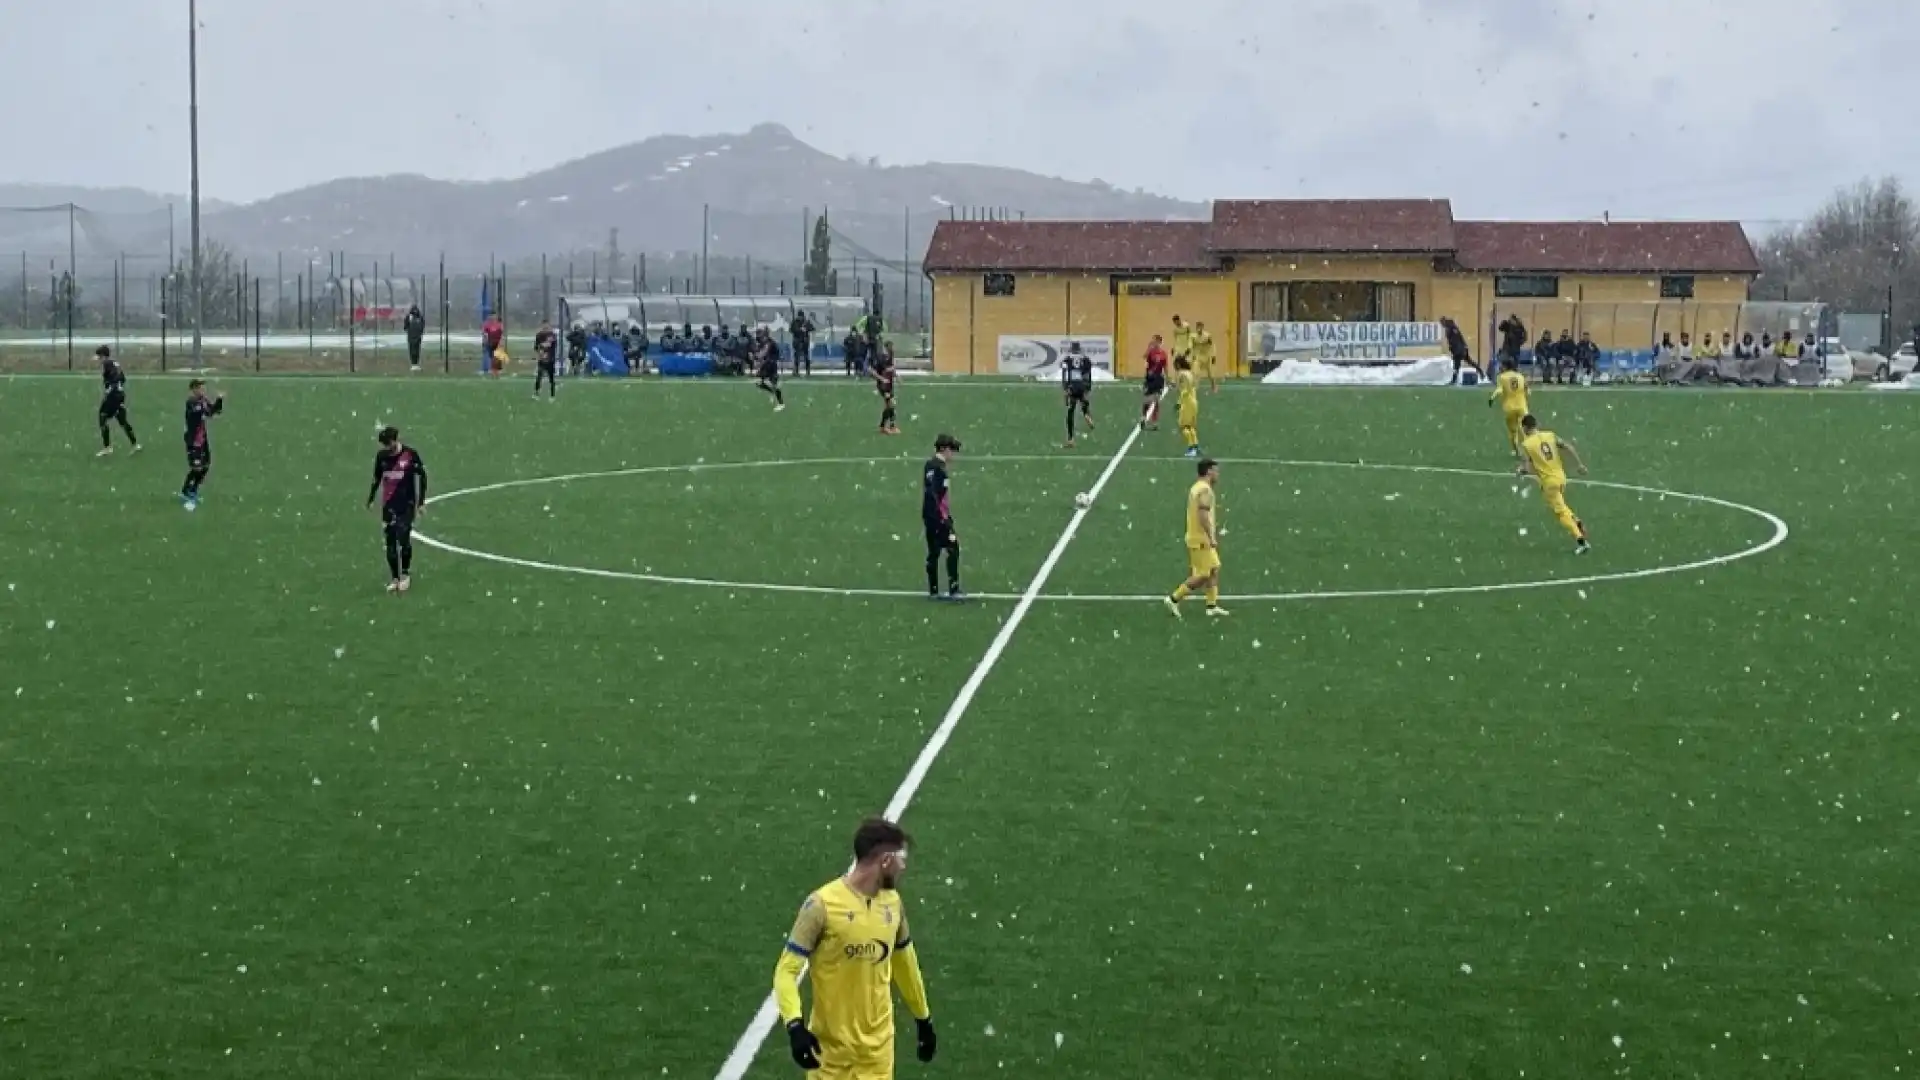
(924, 1042)
(806, 1047)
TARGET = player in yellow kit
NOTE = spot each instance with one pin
(1542, 452)
(1203, 544)
(1203, 355)
(1510, 390)
(1182, 339)
(853, 931)
(1189, 402)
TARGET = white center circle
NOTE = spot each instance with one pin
(1778, 537)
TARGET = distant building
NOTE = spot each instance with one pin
(1265, 267)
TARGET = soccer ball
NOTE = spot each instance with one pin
(1083, 500)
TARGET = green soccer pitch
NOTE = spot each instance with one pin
(550, 814)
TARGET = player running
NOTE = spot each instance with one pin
(400, 483)
(1542, 460)
(767, 353)
(1189, 405)
(1203, 355)
(200, 409)
(1203, 544)
(883, 371)
(937, 515)
(1155, 386)
(1076, 383)
(113, 401)
(545, 364)
(853, 933)
(1510, 390)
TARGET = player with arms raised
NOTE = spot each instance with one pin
(1510, 390)
(1155, 386)
(1543, 452)
(1203, 544)
(853, 933)
(400, 483)
(200, 409)
(113, 401)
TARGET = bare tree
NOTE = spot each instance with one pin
(1855, 248)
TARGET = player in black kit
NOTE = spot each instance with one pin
(544, 344)
(766, 353)
(883, 385)
(1076, 379)
(400, 483)
(937, 516)
(113, 401)
(200, 408)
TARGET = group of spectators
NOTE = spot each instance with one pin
(1726, 348)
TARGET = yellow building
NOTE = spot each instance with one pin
(1008, 294)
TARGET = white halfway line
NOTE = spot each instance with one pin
(764, 1021)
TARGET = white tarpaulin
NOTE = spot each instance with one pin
(1427, 371)
(1039, 357)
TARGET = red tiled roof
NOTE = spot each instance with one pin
(1639, 247)
(1068, 245)
(1397, 226)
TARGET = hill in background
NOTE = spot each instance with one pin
(760, 186)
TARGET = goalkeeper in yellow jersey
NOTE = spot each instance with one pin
(1542, 454)
(853, 931)
(1510, 390)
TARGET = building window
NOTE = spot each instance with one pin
(1676, 287)
(1140, 285)
(1267, 301)
(1393, 302)
(1537, 286)
(1331, 301)
(997, 285)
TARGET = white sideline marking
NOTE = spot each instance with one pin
(768, 1016)
(1780, 533)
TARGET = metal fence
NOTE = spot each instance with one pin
(335, 308)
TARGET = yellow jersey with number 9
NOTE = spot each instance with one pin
(1543, 453)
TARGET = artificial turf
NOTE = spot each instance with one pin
(262, 819)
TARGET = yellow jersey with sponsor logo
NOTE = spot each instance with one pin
(848, 940)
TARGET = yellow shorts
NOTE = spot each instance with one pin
(869, 1069)
(1513, 425)
(1556, 497)
(1202, 560)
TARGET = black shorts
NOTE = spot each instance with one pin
(885, 390)
(770, 374)
(397, 518)
(545, 367)
(199, 457)
(1078, 391)
(939, 536)
(1156, 385)
(113, 405)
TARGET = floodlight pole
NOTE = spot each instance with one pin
(193, 145)
(73, 283)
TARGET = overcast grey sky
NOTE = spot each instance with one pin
(1692, 108)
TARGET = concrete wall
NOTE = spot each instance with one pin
(967, 323)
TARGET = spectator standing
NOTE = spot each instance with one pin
(1456, 347)
(415, 325)
(801, 330)
(1513, 338)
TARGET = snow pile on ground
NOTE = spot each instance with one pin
(1426, 371)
